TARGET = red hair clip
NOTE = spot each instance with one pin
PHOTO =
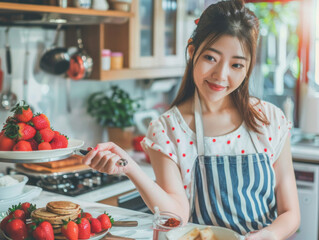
(196, 21)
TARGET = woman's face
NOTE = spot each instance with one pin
(221, 68)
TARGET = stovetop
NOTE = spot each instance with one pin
(73, 184)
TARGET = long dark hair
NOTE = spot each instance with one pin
(230, 18)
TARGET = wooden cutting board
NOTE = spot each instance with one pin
(69, 164)
(70, 161)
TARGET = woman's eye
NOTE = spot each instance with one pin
(237, 65)
(209, 58)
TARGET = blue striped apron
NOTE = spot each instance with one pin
(237, 191)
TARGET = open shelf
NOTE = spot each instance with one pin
(15, 13)
(142, 73)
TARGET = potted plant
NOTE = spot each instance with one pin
(115, 110)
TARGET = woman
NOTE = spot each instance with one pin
(220, 156)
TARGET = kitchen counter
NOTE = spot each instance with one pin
(142, 231)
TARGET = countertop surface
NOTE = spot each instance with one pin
(142, 231)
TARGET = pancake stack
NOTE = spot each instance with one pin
(55, 212)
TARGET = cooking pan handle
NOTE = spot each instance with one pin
(79, 36)
(8, 53)
(56, 37)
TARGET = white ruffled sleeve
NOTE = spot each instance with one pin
(160, 138)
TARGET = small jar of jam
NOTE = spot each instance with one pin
(164, 222)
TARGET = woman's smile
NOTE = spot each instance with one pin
(216, 87)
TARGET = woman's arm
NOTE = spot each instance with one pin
(288, 219)
(167, 193)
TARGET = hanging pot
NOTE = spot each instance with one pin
(81, 64)
(55, 60)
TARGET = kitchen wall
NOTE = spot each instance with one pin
(48, 94)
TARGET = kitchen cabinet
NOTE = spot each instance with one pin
(157, 33)
(125, 32)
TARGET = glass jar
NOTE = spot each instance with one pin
(106, 59)
(164, 222)
(116, 60)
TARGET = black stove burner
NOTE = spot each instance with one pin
(74, 184)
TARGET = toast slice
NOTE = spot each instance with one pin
(207, 234)
(191, 235)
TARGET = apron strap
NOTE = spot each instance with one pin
(255, 141)
(199, 125)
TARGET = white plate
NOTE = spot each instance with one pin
(96, 237)
(37, 156)
(220, 232)
(28, 193)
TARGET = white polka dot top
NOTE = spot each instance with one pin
(171, 135)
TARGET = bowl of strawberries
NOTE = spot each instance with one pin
(29, 136)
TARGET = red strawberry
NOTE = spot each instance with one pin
(86, 215)
(6, 143)
(33, 143)
(96, 226)
(22, 146)
(59, 141)
(84, 228)
(40, 121)
(44, 146)
(28, 208)
(25, 131)
(43, 231)
(56, 133)
(22, 112)
(17, 212)
(106, 221)
(44, 135)
(4, 222)
(16, 229)
(70, 230)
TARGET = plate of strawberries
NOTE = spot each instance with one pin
(28, 137)
(26, 221)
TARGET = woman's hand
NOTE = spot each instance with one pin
(262, 234)
(104, 158)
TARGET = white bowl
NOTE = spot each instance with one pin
(15, 189)
(220, 232)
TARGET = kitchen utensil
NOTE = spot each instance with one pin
(125, 224)
(7, 98)
(81, 64)
(110, 236)
(55, 60)
(25, 69)
(68, 95)
(121, 162)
